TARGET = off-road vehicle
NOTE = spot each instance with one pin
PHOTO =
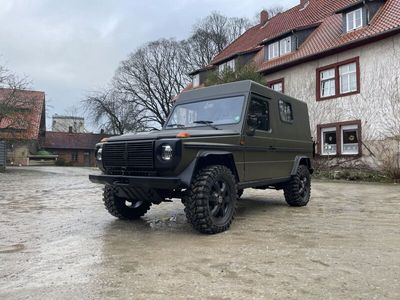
(216, 142)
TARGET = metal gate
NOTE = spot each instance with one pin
(3, 155)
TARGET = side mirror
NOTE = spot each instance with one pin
(252, 122)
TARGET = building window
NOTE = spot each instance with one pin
(354, 19)
(285, 45)
(280, 48)
(348, 78)
(340, 138)
(74, 156)
(196, 80)
(327, 78)
(273, 50)
(277, 85)
(328, 138)
(338, 79)
(349, 141)
(285, 111)
(227, 66)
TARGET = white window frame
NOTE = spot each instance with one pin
(196, 80)
(231, 64)
(273, 50)
(354, 25)
(350, 75)
(278, 84)
(323, 150)
(323, 80)
(342, 129)
(285, 45)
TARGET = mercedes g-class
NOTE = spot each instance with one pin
(216, 142)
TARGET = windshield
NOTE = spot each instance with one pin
(214, 112)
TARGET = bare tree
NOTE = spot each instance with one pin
(272, 12)
(111, 111)
(15, 105)
(211, 35)
(151, 78)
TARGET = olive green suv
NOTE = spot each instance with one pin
(217, 142)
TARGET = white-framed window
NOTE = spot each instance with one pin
(196, 80)
(229, 65)
(328, 84)
(273, 50)
(354, 19)
(349, 140)
(341, 138)
(328, 141)
(348, 78)
(277, 87)
(285, 45)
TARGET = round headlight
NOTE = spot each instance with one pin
(166, 152)
(99, 153)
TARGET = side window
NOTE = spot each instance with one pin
(259, 110)
(285, 111)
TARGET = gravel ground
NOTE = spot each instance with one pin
(58, 242)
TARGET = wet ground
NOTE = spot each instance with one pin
(58, 242)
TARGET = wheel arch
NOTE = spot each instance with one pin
(207, 158)
(301, 160)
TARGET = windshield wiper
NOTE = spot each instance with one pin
(176, 125)
(209, 123)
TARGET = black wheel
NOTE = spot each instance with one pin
(211, 202)
(124, 209)
(298, 190)
(240, 193)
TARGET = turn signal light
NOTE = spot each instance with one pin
(183, 135)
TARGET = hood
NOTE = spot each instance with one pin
(165, 134)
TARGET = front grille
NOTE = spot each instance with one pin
(128, 157)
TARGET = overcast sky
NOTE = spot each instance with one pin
(68, 48)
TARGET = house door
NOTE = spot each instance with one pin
(86, 159)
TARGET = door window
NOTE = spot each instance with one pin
(259, 109)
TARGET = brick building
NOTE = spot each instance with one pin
(75, 149)
(22, 123)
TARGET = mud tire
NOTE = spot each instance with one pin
(210, 205)
(117, 207)
(298, 191)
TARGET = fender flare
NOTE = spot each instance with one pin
(301, 160)
(187, 175)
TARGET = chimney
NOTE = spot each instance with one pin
(102, 131)
(264, 16)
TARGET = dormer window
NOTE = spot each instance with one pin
(280, 48)
(229, 65)
(273, 50)
(354, 19)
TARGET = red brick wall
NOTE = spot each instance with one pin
(85, 158)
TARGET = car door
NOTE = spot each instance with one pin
(260, 145)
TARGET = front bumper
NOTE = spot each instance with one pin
(139, 181)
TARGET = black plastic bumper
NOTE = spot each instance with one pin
(139, 181)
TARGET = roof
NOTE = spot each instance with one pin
(26, 123)
(76, 141)
(328, 36)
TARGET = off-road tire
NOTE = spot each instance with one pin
(202, 205)
(298, 190)
(117, 207)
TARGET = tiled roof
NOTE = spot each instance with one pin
(27, 122)
(327, 36)
(77, 141)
